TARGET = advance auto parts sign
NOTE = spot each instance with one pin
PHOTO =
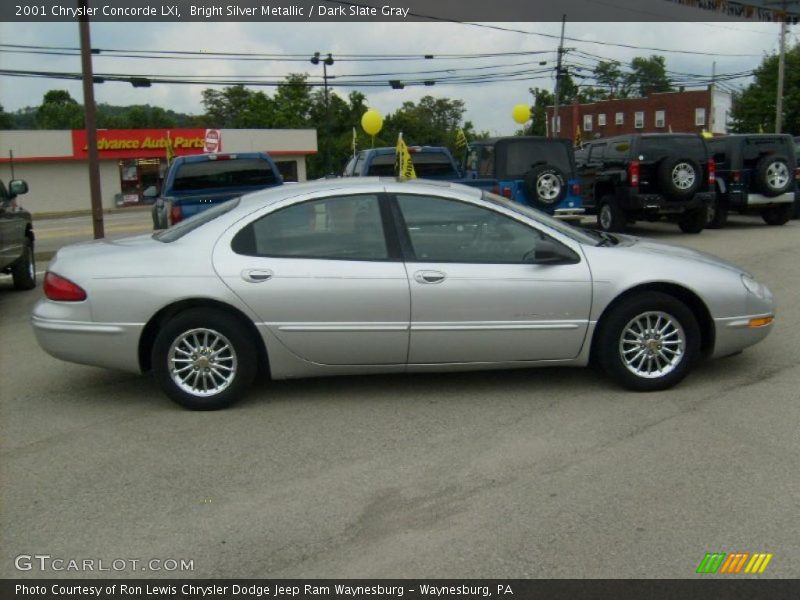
(139, 143)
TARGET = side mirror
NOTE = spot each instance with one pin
(17, 187)
(548, 252)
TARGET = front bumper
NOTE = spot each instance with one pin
(109, 345)
(736, 333)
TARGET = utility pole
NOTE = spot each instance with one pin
(781, 69)
(326, 62)
(556, 123)
(91, 123)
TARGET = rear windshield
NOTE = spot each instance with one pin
(426, 164)
(654, 147)
(515, 159)
(213, 174)
(181, 228)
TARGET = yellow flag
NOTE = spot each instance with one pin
(461, 139)
(578, 137)
(170, 149)
(403, 167)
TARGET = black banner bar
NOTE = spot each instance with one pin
(711, 588)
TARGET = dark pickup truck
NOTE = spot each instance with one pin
(16, 237)
(538, 172)
(195, 183)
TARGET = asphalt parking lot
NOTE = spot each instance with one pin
(539, 473)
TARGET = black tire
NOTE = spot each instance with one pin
(158, 219)
(610, 217)
(230, 333)
(23, 271)
(717, 214)
(779, 214)
(679, 177)
(545, 187)
(772, 175)
(694, 220)
(609, 345)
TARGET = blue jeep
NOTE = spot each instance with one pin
(536, 171)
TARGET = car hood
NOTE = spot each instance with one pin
(646, 246)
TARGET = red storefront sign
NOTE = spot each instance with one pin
(139, 143)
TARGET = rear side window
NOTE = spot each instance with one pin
(426, 164)
(213, 174)
(656, 147)
(339, 228)
(518, 157)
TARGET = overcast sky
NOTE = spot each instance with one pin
(488, 105)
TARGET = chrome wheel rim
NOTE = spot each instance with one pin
(683, 176)
(548, 187)
(605, 217)
(202, 362)
(777, 175)
(652, 344)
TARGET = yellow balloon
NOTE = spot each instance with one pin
(372, 121)
(521, 113)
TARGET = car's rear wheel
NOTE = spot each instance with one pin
(773, 176)
(717, 214)
(693, 221)
(778, 215)
(23, 272)
(204, 359)
(610, 217)
(649, 342)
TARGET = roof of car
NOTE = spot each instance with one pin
(219, 156)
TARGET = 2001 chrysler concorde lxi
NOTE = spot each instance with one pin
(376, 275)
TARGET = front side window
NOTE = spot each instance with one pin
(638, 121)
(443, 230)
(340, 227)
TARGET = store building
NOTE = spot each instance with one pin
(684, 111)
(55, 163)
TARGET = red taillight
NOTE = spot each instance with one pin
(736, 176)
(507, 192)
(633, 173)
(175, 214)
(797, 173)
(61, 289)
(712, 171)
(576, 189)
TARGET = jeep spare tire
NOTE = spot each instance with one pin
(679, 177)
(772, 175)
(545, 187)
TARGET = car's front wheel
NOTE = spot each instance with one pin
(778, 215)
(693, 221)
(610, 217)
(204, 359)
(648, 342)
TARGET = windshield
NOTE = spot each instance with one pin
(180, 229)
(583, 236)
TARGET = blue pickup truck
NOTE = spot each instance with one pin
(536, 171)
(195, 183)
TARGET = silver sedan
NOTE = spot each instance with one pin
(382, 276)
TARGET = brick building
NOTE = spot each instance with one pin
(680, 112)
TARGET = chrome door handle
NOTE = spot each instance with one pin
(257, 275)
(429, 277)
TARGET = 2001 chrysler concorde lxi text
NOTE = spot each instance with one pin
(377, 275)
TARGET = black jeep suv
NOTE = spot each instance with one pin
(755, 174)
(647, 176)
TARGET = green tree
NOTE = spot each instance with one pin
(6, 121)
(610, 79)
(754, 109)
(59, 111)
(649, 75)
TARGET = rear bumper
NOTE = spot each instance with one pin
(735, 334)
(657, 203)
(109, 345)
(743, 199)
